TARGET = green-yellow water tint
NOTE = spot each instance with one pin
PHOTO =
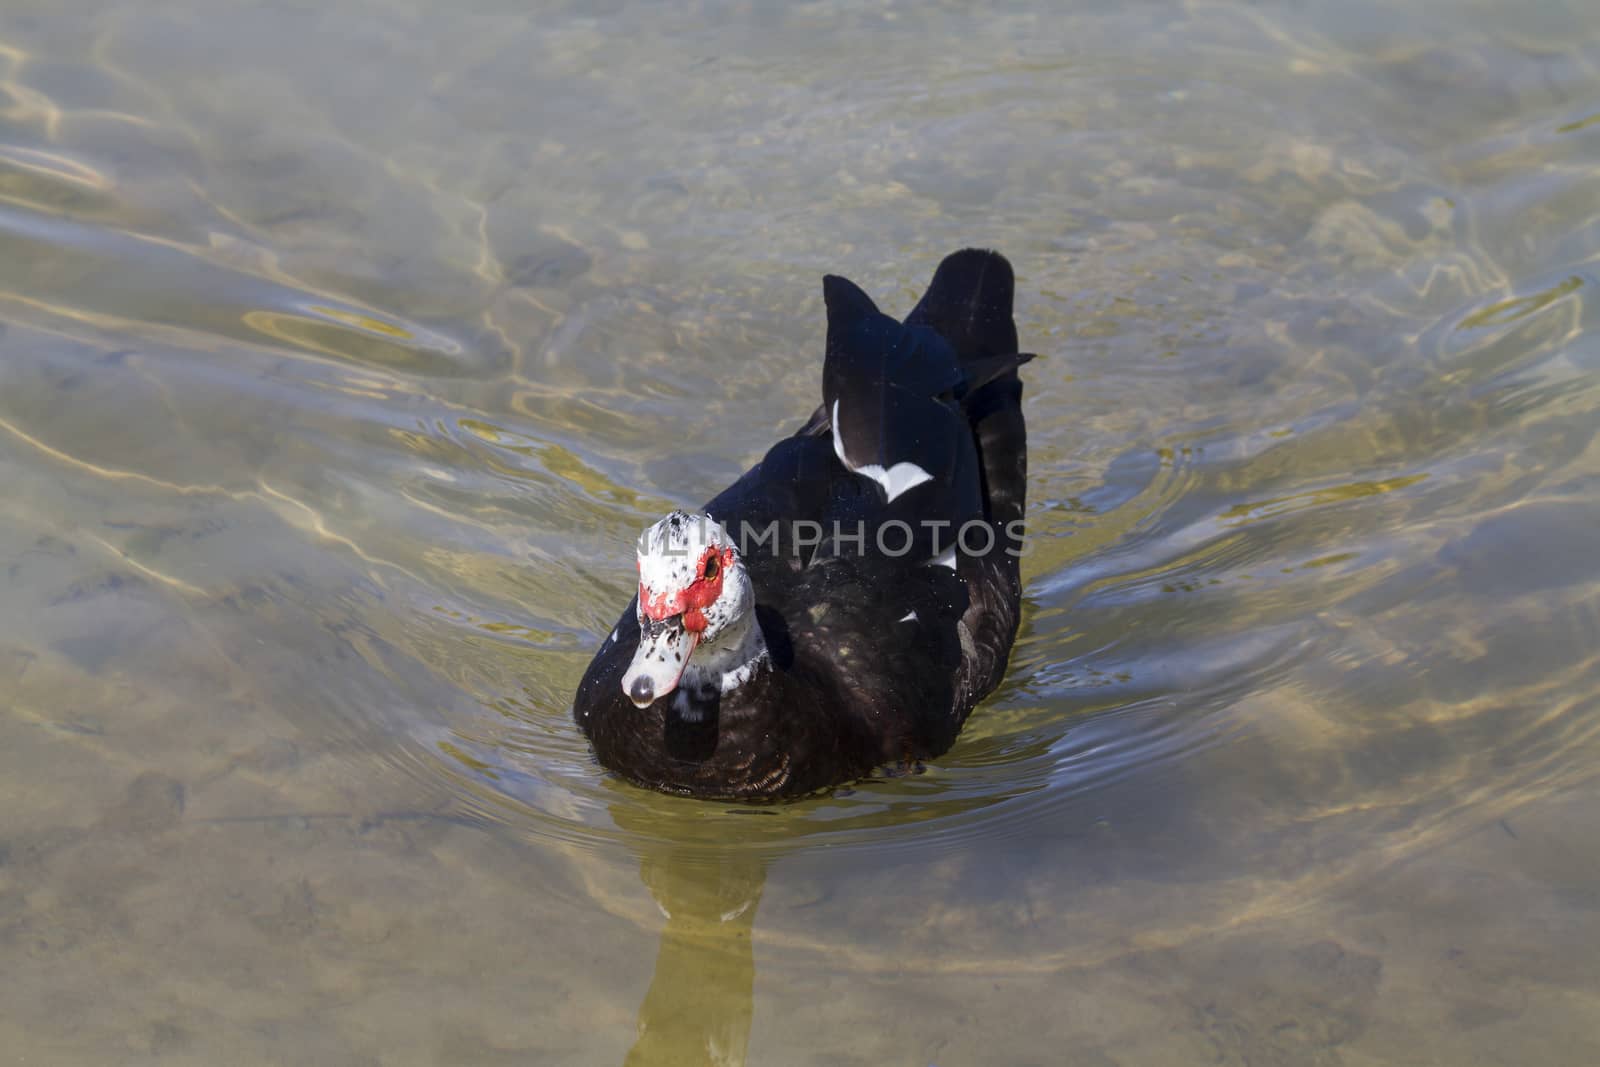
(1312, 498)
(1510, 310)
(364, 322)
(345, 349)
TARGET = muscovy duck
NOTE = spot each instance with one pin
(843, 606)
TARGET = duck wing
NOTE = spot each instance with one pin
(889, 390)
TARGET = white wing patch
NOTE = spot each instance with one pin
(896, 480)
(910, 616)
(947, 558)
(838, 442)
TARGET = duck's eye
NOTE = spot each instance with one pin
(712, 567)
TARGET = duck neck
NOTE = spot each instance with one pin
(720, 666)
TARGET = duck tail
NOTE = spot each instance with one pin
(969, 304)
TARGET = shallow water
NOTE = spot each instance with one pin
(344, 352)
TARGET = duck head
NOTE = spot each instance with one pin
(696, 611)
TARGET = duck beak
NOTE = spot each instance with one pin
(664, 651)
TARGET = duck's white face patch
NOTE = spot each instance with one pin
(672, 556)
(693, 593)
(896, 480)
(684, 561)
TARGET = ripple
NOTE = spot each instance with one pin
(221, 301)
(52, 168)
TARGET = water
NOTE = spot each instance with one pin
(344, 350)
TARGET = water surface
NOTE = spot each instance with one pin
(345, 349)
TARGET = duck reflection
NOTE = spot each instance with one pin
(700, 1001)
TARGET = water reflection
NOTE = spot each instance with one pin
(700, 1002)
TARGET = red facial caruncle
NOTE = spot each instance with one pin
(692, 600)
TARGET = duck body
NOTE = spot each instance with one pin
(846, 603)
